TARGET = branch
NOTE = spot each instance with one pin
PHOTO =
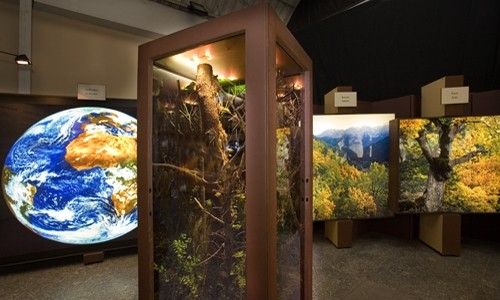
(456, 128)
(211, 256)
(467, 157)
(438, 124)
(422, 141)
(207, 212)
(189, 173)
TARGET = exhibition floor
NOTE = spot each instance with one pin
(376, 267)
(383, 267)
(115, 278)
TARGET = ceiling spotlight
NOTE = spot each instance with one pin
(21, 59)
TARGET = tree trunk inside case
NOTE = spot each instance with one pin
(200, 192)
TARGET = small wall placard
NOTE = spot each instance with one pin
(91, 92)
(455, 95)
(345, 99)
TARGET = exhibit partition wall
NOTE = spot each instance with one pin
(68, 177)
(224, 161)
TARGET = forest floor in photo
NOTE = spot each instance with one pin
(384, 267)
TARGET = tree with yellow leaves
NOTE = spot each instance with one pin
(450, 164)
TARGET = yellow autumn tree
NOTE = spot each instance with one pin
(363, 202)
(323, 203)
(450, 164)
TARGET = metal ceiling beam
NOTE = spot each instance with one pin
(146, 18)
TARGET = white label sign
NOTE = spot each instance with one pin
(91, 92)
(455, 95)
(346, 99)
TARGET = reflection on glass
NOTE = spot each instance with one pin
(199, 173)
(289, 141)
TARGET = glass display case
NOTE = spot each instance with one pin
(224, 161)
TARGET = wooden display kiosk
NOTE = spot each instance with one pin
(225, 161)
(432, 98)
(441, 231)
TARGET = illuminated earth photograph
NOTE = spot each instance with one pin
(71, 177)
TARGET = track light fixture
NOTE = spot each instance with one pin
(20, 59)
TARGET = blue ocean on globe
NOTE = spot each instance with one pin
(71, 177)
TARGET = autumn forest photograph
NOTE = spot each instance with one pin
(450, 165)
(350, 166)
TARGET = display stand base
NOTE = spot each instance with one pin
(93, 257)
(339, 232)
(441, 232)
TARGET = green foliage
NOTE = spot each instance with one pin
(378, 178)
(187, 274)
(475, 187)
(199, 191)
(340, 190)
(233, 87)
(238, 269)
(413, 170)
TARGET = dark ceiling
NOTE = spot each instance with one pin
(390, 48)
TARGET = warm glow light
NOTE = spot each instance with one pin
(183, 60)
(232, 77)
(183, 80)
(208, 55)
(297, 85)
(195, 59)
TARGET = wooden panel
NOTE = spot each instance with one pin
(329, 100)
(393, 200)
(456, 110)
(431, 96)
(93, 257)
(318, 109)
(400, 226)
(339, 232)
(363, 107)
(451, 234)
(481, 226)
(441, 232)
(402, 107)
(485, 103)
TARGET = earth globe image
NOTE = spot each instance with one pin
(71, 177)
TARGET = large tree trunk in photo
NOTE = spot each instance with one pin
(439, 159)
(434, 193)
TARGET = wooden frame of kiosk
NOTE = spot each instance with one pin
(267, 45)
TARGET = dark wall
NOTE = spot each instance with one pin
(390, 48)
